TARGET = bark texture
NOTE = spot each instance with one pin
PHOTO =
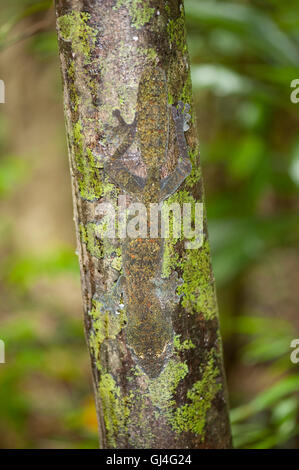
(150, 309)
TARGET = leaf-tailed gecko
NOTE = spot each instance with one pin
(149, 298)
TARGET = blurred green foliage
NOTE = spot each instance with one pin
(244, 56)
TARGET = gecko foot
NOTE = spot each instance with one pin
(166, 290)
(180, 114)
(112, 301)
(121, 129)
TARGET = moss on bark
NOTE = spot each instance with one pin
(104, 49)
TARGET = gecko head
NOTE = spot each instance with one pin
(153, 119)
(153, 365)
(153, 362)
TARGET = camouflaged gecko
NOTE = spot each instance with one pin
(149, 299)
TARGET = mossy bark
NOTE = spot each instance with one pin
(105, 47)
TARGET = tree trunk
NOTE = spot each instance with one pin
(151, 319)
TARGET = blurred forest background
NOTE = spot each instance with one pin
(244, 56)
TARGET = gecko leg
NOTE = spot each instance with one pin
(111, 300)
(172, 182)
(115, 167)
(165, 289)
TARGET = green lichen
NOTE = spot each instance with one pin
(198, 282)
(198, 286)
(109, 190)
(177, 32)
(195, 175)
(89, 181)
(138, 405)
(120, 411)
(105, 325)
(92, 235)
(74, 28)
(170, 255)
(192, 416)
(184, 346)
(99, 242)
(149, 52)
(74, 97)
(161, 389)
(170, 98)
(88, 236)
(186, 93)
(115, 408)
(171, 258)
(117, 260)
(167, 9)
(112, 254)
(139, 12)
